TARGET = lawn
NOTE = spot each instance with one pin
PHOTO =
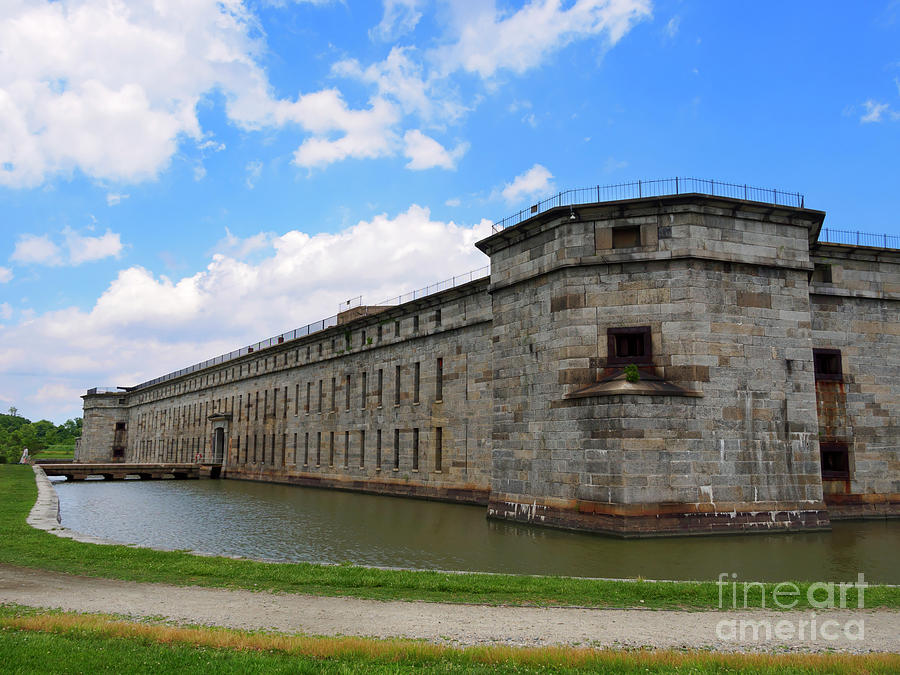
(35, 641)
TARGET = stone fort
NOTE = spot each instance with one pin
(689, 362)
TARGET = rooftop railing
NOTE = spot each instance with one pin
(654, 188)
(308, 329)
(854, 238)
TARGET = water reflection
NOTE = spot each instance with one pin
(281, 522)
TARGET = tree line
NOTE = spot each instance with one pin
(18, 432)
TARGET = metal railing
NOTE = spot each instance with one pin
(305, 330)
(107, 390)
(654, 188)
(853, 238)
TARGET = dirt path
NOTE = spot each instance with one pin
(436, 622)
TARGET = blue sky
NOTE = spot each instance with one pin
(178, 179)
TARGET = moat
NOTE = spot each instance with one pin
(288, 523)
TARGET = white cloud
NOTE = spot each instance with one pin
(114, 198)
(426, 153)
(400, 17)
(145, 325)
(878, 112)
(42, 250)
(6, 311)
(672, 27)
(453, 201)
(6, 275)
(31, 248)
(537, 181)
(84, 249)
(489, 40)
(111, 89)
(254, 170)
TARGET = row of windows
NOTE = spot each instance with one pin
(338, 346)
(265, 449)
(195, 414)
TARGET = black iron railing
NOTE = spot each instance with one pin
(654, 188)
(854, 238)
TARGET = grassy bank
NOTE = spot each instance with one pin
(33, 641)
(25, 546)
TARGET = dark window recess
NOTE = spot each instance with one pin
(415, 324)
(629, 345)
(827, 364)
(835, 460)
(626, 237)
(437, 317)
(821, 273)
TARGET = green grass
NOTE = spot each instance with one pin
(56, 452)
(25, 546)
(38, 642)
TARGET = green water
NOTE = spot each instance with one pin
(279, 522)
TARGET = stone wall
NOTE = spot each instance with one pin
(730, 442)
(310, 411)
(855, 299)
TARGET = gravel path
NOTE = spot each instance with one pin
(457, 624)
(436, 622)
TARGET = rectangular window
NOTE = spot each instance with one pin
(294, 461)
(397, 328)
(321, 395)
(378, 449)
(246, 449)
(333, 389)
(262, 459)
(274, 402)
(347, 392)
(256, 408)
(439, 381)
(254, 448)
(318, 448)
(346, 449)
(362, 448)
(306, 449)
(362, 339)
(827, 364)
(822, 273)
(308, 396)
(308, 355)
(626, 237)
(835, 461)
(297, 398)
(363, 390)
(416, 323)
(396, 449)
(438, 449)
(331, 448)
(415, 457)
(396, 385)
(629, 345)
(437, 318)
(320, 349)
(379, 332)
(284, 413)
(416, 372)
(380, 386)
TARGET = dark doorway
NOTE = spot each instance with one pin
(219, 447)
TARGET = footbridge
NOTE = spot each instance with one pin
(121, 471)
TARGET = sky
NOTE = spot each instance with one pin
(182, 178)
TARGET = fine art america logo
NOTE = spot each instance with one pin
(809, 627)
